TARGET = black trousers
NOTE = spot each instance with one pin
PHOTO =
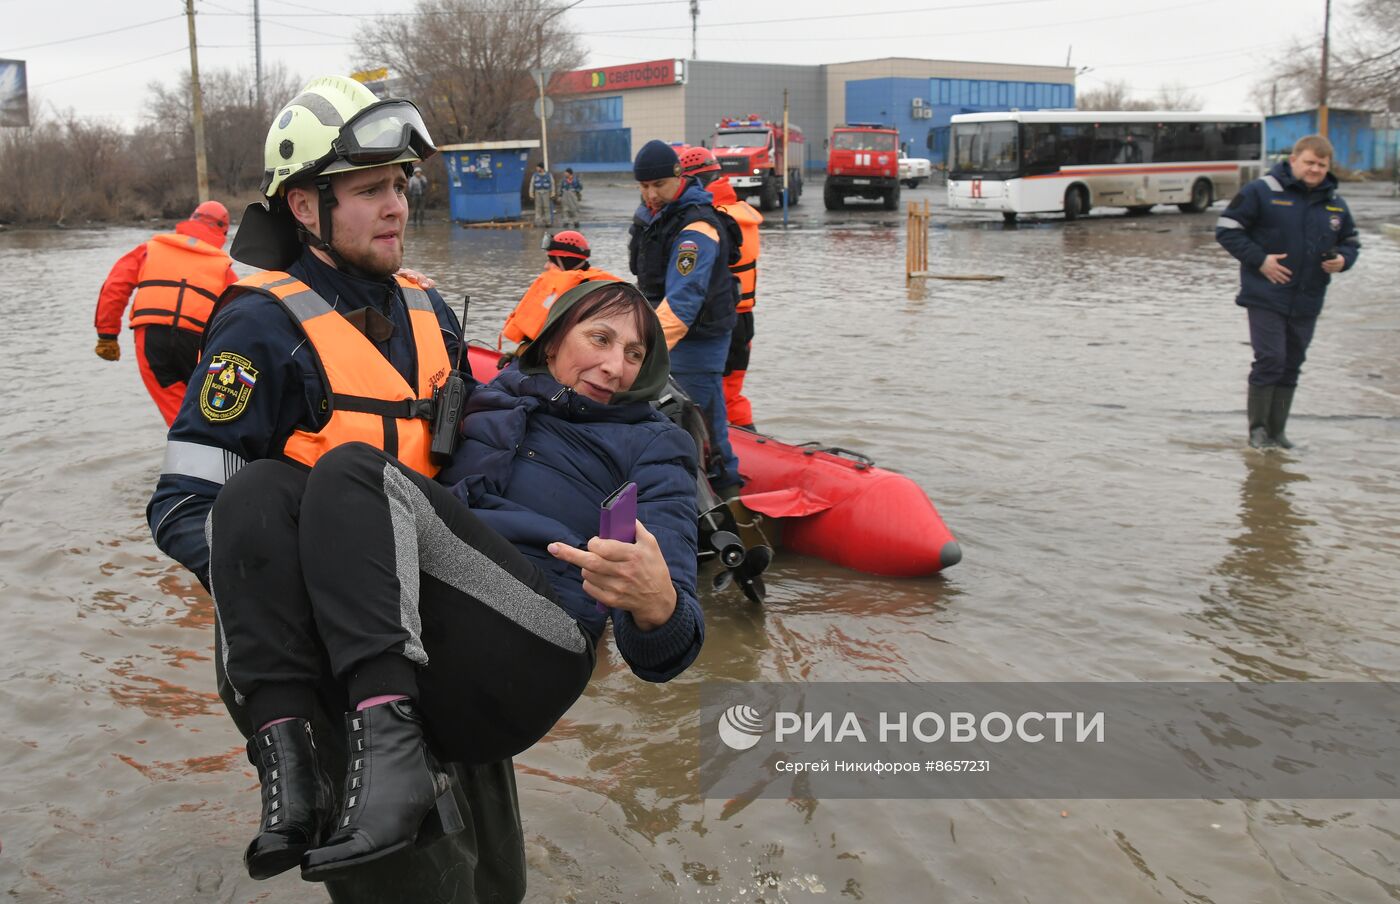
(366, 573)
(1280, 346)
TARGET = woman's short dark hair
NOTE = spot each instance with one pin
(614, 298)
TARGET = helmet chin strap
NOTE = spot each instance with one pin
(325, 204)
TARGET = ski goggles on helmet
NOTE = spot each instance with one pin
(381, 133)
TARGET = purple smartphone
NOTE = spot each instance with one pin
(617, 519)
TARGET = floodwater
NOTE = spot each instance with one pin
(1080, 426)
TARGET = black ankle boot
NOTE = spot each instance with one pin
(396, 793)
(296, 798)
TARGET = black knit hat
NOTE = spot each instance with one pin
(656, 160)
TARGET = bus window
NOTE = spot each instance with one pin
(988, 148)
(1240, 140)
(1109, 138)
(1039, 148)
(1139, 142)
(1076, 143)
(1181, 142)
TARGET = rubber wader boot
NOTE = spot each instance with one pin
(395, 793)
(1260, 400)
(1278, 414)
(296, 798)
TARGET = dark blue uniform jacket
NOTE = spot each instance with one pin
(1278, 214)
(288, 395)
(533, 446)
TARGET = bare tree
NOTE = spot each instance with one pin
(1112, 96)
(233, 125)
(1369, 65)
(467, 63)
(1176, 96)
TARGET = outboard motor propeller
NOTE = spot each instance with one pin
(737, 541)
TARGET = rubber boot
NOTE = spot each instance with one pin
(1278, 414)
(1260, 399)
(396, 793)
(296, 798)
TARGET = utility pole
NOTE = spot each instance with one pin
(541, 76)
(786, 167)
(201, 168)
(1322, 93)
(257, 52)
(694, 24)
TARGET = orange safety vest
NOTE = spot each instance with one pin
(747, 266)
(367, 399)
(526, 321)
(180, 281)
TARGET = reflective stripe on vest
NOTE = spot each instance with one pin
(368, 400)
(747, 267)
(526, 321)
(180, 281)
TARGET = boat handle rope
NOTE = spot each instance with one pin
(860, 461)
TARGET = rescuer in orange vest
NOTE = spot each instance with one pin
(700, 164)
(327, 352)
(176, 277)
(568, 253)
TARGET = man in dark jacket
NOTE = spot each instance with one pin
(261, 392)
(681, 249)
(1290, 231)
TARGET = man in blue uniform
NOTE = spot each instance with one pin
(1290, 232)
(541, 190)
(680, 250)
(335, 180)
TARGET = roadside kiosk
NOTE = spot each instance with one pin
(484, 179)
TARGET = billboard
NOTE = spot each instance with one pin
(14, 94)
(653, 74)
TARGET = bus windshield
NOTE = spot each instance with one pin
(741, 140)
(985, 149)
(863, 141)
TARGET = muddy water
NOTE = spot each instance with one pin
(1080, 426)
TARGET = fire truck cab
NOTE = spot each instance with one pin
(750, 152)
(862, 162)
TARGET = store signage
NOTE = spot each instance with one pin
(620, 78)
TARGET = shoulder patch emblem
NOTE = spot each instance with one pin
(1335, 221)
(228, 384)
(686, 253)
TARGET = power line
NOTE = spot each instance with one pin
(95, 34)
(867, 14)
(68, 78)
(316, 13)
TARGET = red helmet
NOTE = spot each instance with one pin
(568, 244)
(698, 160)
(212, 214)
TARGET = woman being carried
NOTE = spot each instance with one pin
(469, 615)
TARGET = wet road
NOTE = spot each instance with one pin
(1079, 425)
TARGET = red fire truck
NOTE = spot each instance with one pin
(862, 162)
(750, 153)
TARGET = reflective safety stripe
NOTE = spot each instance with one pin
(209, 463)
(1273, 183)
(672, 326)
(704, 229)
(1227, 223)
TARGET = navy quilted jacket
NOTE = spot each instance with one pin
(1279, 214)
(533, 446)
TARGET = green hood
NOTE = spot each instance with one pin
(651, 379)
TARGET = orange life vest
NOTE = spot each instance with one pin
(368, 401)
(746, 269)
(180, 282)
(526, 321)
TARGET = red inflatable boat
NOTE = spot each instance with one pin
(832, 503)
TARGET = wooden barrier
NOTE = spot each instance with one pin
(916, 241)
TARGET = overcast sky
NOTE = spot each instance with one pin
(1215, 48)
